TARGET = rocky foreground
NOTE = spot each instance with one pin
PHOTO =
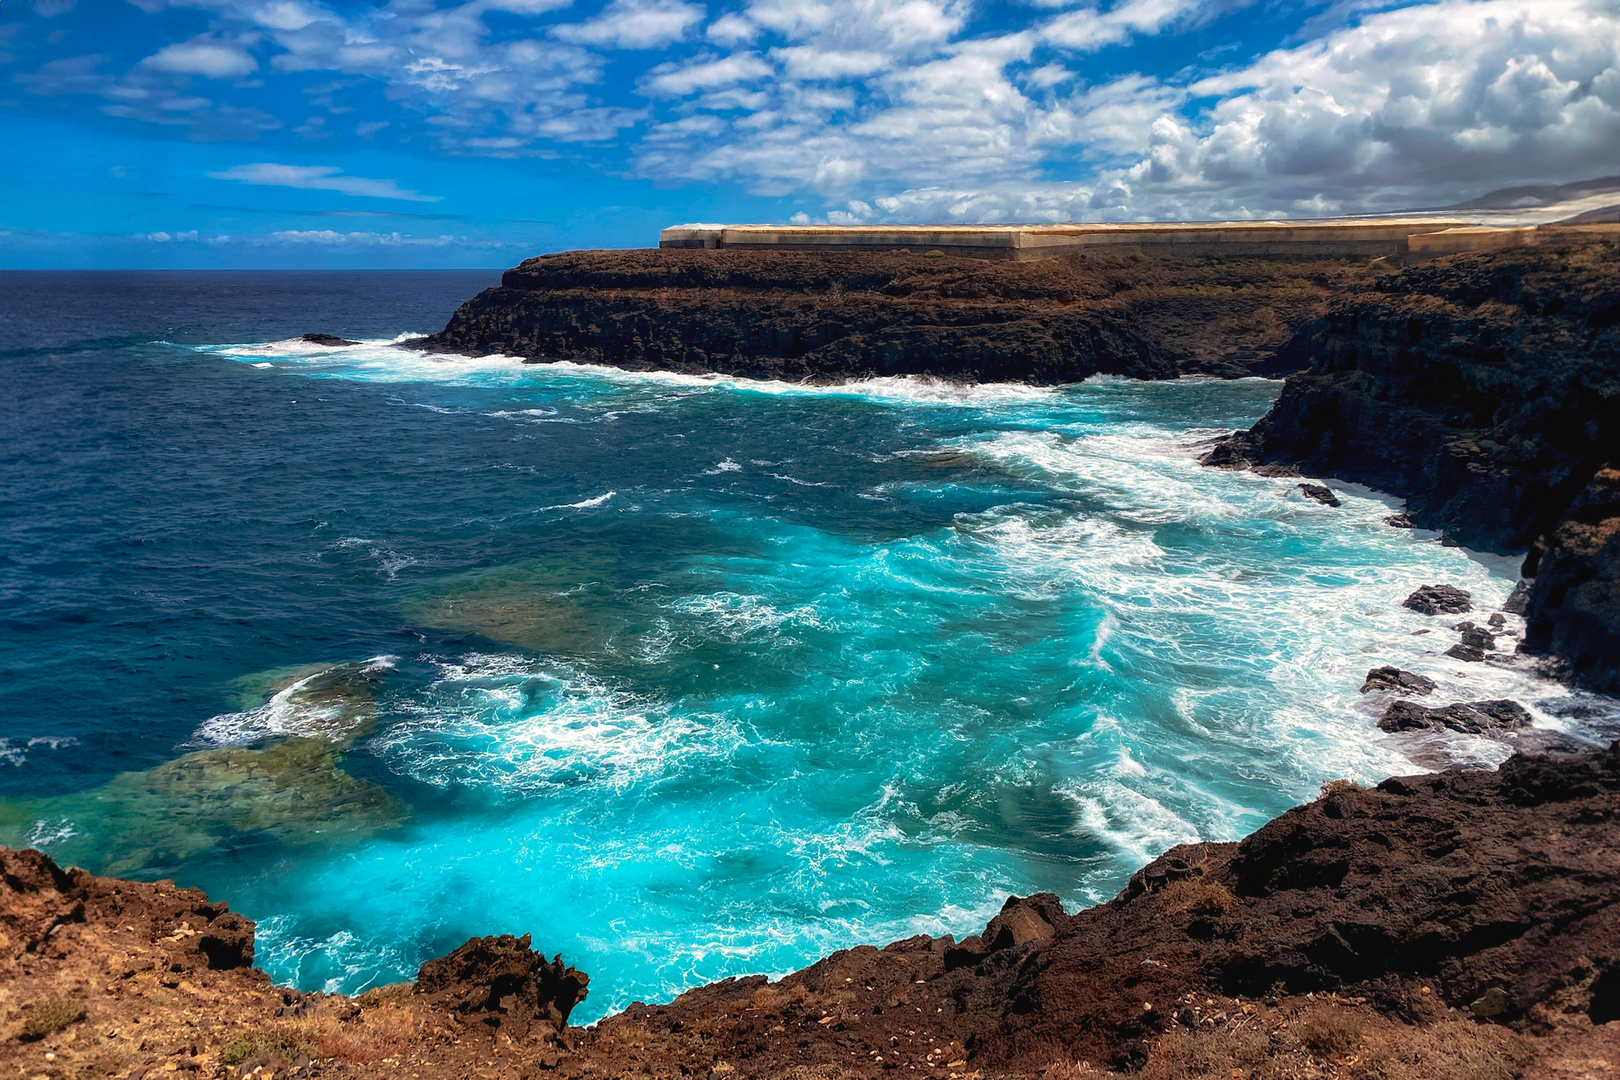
(1462, 924)
(1485, 390)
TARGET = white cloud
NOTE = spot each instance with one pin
(214, 58)
(634, 24)
(320, 178)
(331, 238)
(669, 80)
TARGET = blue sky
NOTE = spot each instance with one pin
(153, 133)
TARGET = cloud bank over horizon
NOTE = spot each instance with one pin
(556, 123)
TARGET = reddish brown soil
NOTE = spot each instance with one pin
(1462, 925)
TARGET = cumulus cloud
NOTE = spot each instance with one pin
(320, 178)
(212, 57)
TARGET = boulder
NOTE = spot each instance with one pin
(1474, 717)
(1320, 493)
(1439, 600)
(1397, 681)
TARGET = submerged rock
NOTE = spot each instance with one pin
(1439, 600)
(294, 792)
(1397, 681)
(327, 339)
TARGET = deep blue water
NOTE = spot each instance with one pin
(686, 677)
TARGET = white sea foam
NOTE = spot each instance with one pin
(327, 704)
(583, 504)
(521, 724)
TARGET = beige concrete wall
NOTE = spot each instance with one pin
(1417, 237)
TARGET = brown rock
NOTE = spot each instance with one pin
(1439, 600)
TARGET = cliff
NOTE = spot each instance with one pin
(1485, 390)
(1458, 924)
(831, 316)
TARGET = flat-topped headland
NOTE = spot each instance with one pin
(1455, 924)
(835, 315)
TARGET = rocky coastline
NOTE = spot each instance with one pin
(1485, 390)
(836, 316)
(1457, 924)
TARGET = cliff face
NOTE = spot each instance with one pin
(1439, 901)
(839, 315)
(1485, 389)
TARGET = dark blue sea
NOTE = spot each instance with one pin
(687, 677)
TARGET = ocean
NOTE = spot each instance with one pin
(686, 677)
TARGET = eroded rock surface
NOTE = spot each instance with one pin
(1485, 390)
(832, 316)
(1456, 899)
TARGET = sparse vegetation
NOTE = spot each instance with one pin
(392, 994)
(281, 1042)
(1198, 896)
(1333, 786)
(50, 1015)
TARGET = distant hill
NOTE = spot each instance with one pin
(1528, 196)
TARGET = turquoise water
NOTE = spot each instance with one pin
(686, 677)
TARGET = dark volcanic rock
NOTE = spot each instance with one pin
(327, 339)
(1473, 635)
(1484, 389)
(1464, 651)
(1320, 494)
(505, 984)
(1474, 717)
(832, 316)
(1399, 521)
(1439, 600)
(1574, 610)
(1398, 681)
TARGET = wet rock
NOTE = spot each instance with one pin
(1399, 521)
(1472, 654)
(1481, 389)
(1475, 636)
(501, 983)
(1518, 600)
(1474, 718)
(1574, 609)
(1320, 493)
(1497, 620)
(1397, 681)
(1439, 600)
(327, 339)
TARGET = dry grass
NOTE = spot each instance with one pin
(276, 1043)
(378, 1034)
(392, 994)
(50, 1015)
(1200, 897)
(1333, 786)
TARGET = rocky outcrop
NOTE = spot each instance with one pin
(1445, 899)
(503, 984)
(832, 316)
(1473, 718)
(1485, 390)
(1574, 609)
(1397, 681)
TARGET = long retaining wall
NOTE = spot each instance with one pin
(1418, 237)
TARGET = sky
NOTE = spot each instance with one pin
(474, 133)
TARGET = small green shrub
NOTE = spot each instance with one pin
(267, 1042)
(392, 994)
(934, 254)
(50, 1015)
